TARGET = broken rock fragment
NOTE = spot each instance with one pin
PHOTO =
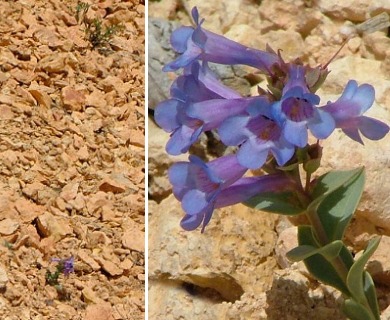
(8, 226)
(73, 100)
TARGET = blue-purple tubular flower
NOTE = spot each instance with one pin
(197, 185)
(197, 43)
(199, 103)
(258, 134)
(296, 111)
(348, 111)
(201, 187)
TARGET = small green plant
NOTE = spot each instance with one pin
(65, 266)
(98, 34)
(8, 245)
(81, 10)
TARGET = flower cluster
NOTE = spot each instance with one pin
(274, 125)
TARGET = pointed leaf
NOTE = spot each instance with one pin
(317, 265)
(285, 203)
(341, 192)
(355, 278)
(356, 311)
(332, 180)
(329, 251)
(369, 289)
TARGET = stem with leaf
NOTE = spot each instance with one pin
(328, 204)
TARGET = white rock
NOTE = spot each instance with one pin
(354, 10)
(290, 42)
(283, 15)
(3, 277)
(8, 226)
(221, 15)
(238, 242)
(287, 240)
(376, 44)
(379, 263)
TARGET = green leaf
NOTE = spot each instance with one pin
(355, 278)
(369, 289)
(302, 252)
(285, 203)
(337, 195)
(317, 265)
(332, 180)
(356, 311)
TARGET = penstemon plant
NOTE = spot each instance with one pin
(271, 133)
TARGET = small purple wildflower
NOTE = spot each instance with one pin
(66, 266)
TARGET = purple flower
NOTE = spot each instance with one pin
(348, 109)
(297, 112)
(258, 134)
(197, 185)
(199, 44)
(199, 103)
(201, 187)
(66, 266)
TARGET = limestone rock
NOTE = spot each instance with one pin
(6, 112)
(290, 42)
(318, 302)
(376, 44)
(8, 226)
(248, 242)
(42, 98)
(3, 277)
(353, 10)
(361, 70)
(57, 62)
(109, 266)
(73, 100)
(86, 258)
(386, 314)
(69, 191)
(91, 297)
(182, 300)
(134, 239)
(110, 185)
(282, 15)
(287, 240)
(233, 13)
(159, 55)
(49, 225)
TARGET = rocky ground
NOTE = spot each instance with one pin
(237, 269)
(71, 160)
